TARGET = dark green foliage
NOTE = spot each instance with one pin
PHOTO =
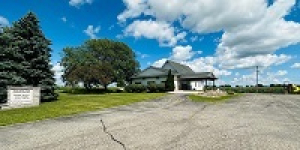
(253, 89)
(170, 82)
(136, 88)
(25, 57)
(99, 61)
(35, 50)
(139, 88)
(10, 64)
(80, 90)
(156, 88)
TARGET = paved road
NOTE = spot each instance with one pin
(249, 122)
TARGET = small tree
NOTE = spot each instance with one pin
(170, 82)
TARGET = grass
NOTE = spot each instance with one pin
(69, 104)
(196, 98)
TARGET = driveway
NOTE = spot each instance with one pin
(252, 121)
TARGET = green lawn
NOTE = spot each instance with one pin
(72, 104)
(197, 98)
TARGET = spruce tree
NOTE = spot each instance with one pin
(10, 64)
(170, 82)
(36, 52)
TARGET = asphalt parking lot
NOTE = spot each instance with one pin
(263, 121)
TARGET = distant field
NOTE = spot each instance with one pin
(72, 104)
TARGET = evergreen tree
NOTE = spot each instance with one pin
(34, 48)
(170, 82)
(10, 64)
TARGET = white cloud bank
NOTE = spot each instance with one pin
(252, 30)
(162, 31)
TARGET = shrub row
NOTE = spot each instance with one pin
(252, 89)
(139, 88)
(80, 90)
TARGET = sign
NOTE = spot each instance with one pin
(19, 97)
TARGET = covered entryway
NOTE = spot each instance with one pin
(196, 81)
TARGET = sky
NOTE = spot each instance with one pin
(227, 37)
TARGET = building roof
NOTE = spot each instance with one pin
(152, 72)
(183, 71)
(179, 68)
(199, 75)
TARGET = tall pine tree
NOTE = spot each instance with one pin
(29, 39)
(10, 64)
(169, 85)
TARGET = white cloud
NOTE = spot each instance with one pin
(3, 21)
(134, 9)
(182, 53)
(296, 65)
(91, 31)
(58, 72)
(249, 62)
(78, 3)
(263, 78)
(64, 19)
(251, 30)
(262, 37)
(163, 32)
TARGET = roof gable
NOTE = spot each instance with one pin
(151, 72)
(179, 68)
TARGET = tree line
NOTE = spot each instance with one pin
(25, 58)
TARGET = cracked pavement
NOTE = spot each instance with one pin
(263, 121)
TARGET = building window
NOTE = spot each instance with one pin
(137, 82)
(157, 78)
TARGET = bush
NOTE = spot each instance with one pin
(156, 88)
(230, 92)
(135, 88)
(81, 90)
(254, 89)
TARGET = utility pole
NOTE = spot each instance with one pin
(257, 71)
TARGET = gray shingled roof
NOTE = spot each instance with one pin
(181, 69)
(185, 72)
(162, 72)
(199, 75)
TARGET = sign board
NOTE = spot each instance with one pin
(19, 97)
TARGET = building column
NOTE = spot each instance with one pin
(176, 83)
(213, 85)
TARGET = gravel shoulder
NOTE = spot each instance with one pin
(263, 121)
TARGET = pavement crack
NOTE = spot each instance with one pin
(111, 136)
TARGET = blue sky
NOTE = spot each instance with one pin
(227, 37)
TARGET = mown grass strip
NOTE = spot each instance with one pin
(196, 98)
(69, 104)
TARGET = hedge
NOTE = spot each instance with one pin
(252, 89)
(139, 88)
(136, 88)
